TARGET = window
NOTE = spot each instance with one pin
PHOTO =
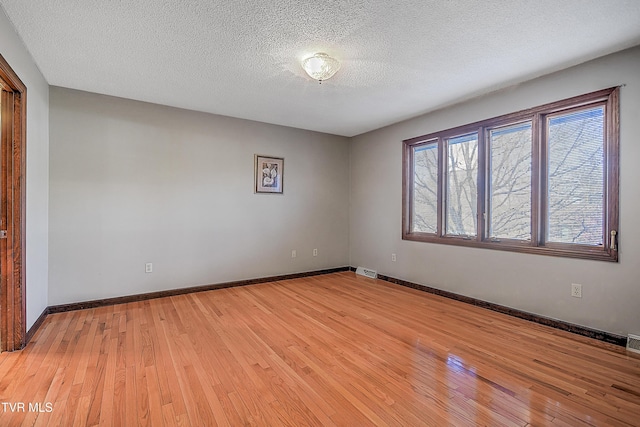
(543, 181)
(509, 182)
(425, 188)
(462, 172)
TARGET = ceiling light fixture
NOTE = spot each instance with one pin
(320, 66)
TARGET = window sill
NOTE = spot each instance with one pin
(596, 253)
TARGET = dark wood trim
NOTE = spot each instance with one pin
(612, 164)
(550, 108)
(537, 245)
(408, 158)
(14, 128)
(173, 292)
(36, 325)
(556, 324)
(407, 187)
(443, 160)
(481, 186)
(538, 205)
(596, 253)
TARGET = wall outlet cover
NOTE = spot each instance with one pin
(576, 290)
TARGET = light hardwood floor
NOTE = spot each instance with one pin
(325, 350)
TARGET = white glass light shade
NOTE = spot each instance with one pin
(320, 66)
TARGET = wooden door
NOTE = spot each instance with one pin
(12, 214)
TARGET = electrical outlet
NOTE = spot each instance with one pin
(148, 267)
(393, 257)
(315, 252)
(294, 253)
(576, 290)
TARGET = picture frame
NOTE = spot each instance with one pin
(269, 173)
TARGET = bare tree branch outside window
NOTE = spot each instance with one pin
(510, 191)
(462, 185)
(576, 177)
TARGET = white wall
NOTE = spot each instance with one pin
(132, 183)
(37, 174)
(533, 283)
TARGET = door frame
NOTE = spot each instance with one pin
(12, 209)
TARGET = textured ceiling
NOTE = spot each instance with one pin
(242, 58)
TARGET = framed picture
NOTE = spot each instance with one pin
(269, 173)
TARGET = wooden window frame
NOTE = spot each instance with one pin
(608, 251)
(12, 209)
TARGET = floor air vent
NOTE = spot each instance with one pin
(633, 343)
(366, 272)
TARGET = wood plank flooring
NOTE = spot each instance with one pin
(326, 350)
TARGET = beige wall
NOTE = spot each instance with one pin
(37, 174)
(132, 183)
(533, 283)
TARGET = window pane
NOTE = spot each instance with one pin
(575, 177)
(510, 181)
(425, 189)
(462, 178)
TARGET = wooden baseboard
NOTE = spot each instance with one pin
(557, 324)
(172, 292)
(36, 325)
(161, 294)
